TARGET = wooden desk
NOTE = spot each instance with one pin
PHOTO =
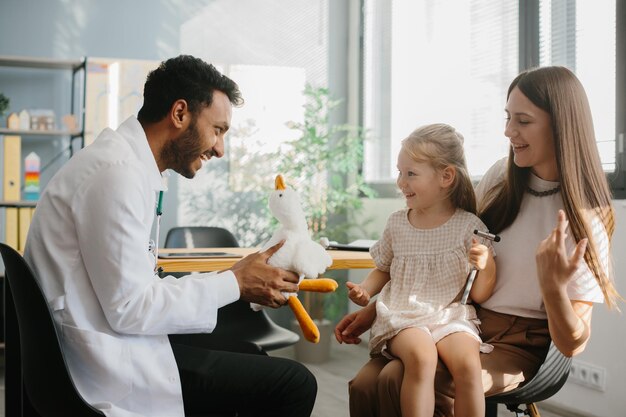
(341, 260)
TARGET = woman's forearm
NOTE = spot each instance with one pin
(569, 322)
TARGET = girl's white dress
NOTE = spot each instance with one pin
(428, 268)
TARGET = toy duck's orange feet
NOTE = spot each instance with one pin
(309, 329)
(318, 285)
(308, 326)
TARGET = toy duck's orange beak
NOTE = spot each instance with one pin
(280, 182)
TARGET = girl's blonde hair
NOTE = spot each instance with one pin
(441, 146)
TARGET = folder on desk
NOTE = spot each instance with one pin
(198, 255)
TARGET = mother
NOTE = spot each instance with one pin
(544, 290)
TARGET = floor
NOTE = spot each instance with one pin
(332, 379)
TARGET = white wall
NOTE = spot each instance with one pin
(607, 347)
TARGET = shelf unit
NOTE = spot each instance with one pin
(18, 204)
(78, 68)
(74, 133)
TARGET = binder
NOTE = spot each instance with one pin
(12, 157)
(12, 148)
(23, 225)
(2, 173)
(2, 209)
(11, 228)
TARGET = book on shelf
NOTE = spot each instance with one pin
(11, 182)
(11, 188)
(23, 218)
(2, 211)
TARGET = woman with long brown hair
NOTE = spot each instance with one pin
(548, 277)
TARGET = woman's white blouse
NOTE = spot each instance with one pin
(517, 288)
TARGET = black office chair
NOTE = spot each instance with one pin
(43, 376)
(38, 383)
(236, 321)
(548, 380)
(200, 237)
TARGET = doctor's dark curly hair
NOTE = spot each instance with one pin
(188, 78)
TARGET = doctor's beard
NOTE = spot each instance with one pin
(181, 152)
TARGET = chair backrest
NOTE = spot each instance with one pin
(235, 321)
(46, 377)
(548, 380)
(200, 237)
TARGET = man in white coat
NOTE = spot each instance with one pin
(88, 244)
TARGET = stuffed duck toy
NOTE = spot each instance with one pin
(299, 253)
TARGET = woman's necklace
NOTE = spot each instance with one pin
(543, 193)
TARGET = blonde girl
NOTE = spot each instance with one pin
(422, 262)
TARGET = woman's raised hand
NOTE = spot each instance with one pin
(555, 267)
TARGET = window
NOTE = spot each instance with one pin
(437, 61)
(427, 61)
(580, 35)
(272, 52)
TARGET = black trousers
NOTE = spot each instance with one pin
(234, 378)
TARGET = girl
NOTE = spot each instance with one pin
(421, 268)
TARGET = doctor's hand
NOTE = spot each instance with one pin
(262, 283)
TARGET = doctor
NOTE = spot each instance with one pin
(88, 244)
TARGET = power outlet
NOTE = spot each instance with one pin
(588, 375)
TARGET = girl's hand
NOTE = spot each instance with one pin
(357, 294)
(554, 267)
(478, 255)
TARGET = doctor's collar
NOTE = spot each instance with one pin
(165, 176)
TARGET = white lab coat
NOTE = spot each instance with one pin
(88, 245)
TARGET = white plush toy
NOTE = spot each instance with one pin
(299, 253)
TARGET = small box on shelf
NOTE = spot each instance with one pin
(13, 121)
(42, 119)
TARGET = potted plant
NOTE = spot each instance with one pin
(4, 103)
(324, 163)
